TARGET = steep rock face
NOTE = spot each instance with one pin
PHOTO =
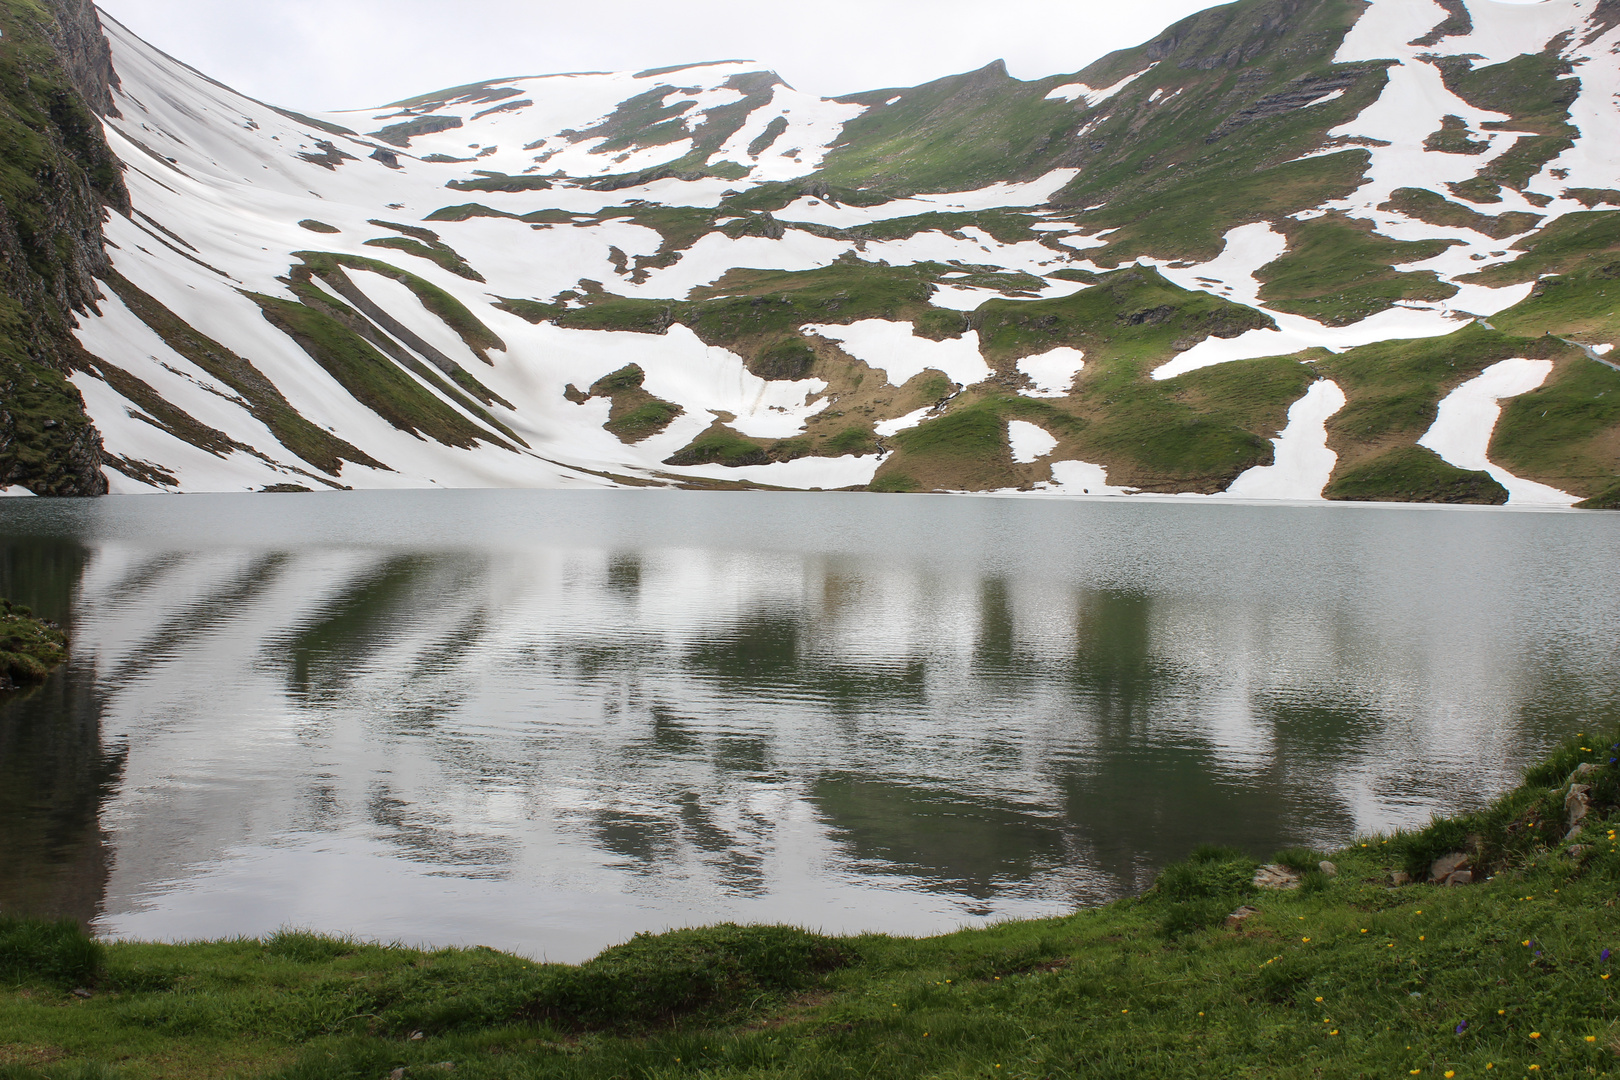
(58, 175)
(84, 52)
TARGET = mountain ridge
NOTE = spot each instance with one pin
(1150, 263)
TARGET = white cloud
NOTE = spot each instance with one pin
(331, 54)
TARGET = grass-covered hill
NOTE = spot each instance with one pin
(1363, 968)
(1134, 278)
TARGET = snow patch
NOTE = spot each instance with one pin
(890, 428)
(1462, 431)
(1094, 97)
(1053, 373)
(902, 355)
(1303, 464)
(1081, 478)
(1029, 442)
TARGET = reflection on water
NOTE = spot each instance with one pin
(55, 771)
(544, 721)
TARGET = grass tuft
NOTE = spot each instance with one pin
(39, 951)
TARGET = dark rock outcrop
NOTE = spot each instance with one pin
(82, 47)
(59, 176)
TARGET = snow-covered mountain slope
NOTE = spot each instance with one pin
(1260, 256)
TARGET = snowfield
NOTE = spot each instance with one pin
(228, 191)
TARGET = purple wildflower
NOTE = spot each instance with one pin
(1462, 1027)
(1604, 956)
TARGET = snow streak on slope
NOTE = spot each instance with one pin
(1462, 432)
(1303, 464)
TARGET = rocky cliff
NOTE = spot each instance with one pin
(57, 176)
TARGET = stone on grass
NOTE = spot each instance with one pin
(1275, 876)
(1447, 866)
(1236, 920)
(1576, 804)
(1328, 868)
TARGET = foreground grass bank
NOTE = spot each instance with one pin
(1343, 976)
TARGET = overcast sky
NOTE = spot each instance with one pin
(336, 54)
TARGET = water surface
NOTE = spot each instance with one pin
(543, 721)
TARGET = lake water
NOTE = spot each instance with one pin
(544, 721)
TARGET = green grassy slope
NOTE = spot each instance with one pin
(1394, 390)
(1202, 142)
(1346, 976)
(1193, 433)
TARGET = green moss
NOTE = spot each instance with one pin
(1338, 271)
(29, 649)
(1414, 474)
(318, 226)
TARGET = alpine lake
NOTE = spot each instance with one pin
(545, 721)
